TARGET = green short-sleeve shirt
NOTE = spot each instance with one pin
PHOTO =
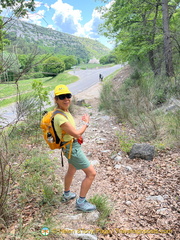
(59, 119)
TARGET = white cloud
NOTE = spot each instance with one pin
(41, 4)
(38, 4)
(47, 6)
(66, 17)
(91, 27)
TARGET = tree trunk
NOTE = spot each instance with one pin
(167, 40)
(151, 61)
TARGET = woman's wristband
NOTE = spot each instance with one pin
(87, 124)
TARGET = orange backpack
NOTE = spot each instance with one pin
(49, 133)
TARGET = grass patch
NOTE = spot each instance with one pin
(39, 181)
(169, 130)
(111, 76)
(103, 206)
(7, 101)
(126, 142)
(9, 91)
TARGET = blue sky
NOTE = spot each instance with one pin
(76, 17)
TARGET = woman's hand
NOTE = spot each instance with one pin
(69, 129)
(86, 118)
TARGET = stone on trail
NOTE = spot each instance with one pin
(143, 150)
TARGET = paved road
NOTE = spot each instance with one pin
(90, 77)
(87, 78)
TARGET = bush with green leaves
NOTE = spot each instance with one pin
(52, 66)
(111, 58)
(69, 61)
(40, 93)
(126, 142)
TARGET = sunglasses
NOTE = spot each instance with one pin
(63, 96)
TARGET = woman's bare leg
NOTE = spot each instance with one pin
(86, 183)
(69, 177)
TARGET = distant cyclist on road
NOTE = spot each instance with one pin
(100, 77)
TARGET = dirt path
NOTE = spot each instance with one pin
(145, 195)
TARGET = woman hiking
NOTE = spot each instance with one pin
(77, 159)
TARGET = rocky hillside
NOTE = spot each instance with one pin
(48, 40)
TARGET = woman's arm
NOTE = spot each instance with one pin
(69, 129)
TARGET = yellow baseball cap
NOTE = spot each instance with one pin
(61, 89)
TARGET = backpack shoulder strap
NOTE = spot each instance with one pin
(59, 112)
(63, 133)
(52, 121)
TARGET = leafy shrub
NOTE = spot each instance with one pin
(37, 75)
(53, 66)
(126, 142)
(164, 88)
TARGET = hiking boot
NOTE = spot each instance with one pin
(66, 198)
(85, 206)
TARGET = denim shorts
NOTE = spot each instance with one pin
(78, 158)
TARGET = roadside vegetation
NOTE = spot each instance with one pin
(140, 104)
(24, 87)
(28, 181)
(147, 38)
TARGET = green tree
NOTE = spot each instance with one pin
(52, 66)
(19, 8)
(111, 58)
(23, 58)
(70, 61)
(167, 40)
(137, 26)
(33, 64)
(103, 60)
(3, 41)
(12, 67)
